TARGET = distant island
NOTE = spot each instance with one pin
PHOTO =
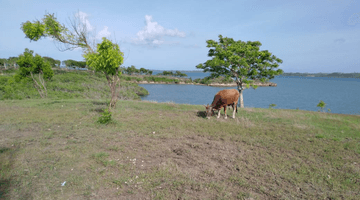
(329, 75)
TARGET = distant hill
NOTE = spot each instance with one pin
(330, 75)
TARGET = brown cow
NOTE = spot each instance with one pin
(222, 99)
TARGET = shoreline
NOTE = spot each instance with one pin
(269, 84)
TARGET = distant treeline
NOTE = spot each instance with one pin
(199, 71)
(74, 63)
(133, 71)
(170, 73)
(11, 63)
(330, 75)
(142, 71)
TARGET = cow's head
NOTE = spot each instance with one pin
(209, 111)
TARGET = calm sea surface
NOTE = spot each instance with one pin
(341, 95)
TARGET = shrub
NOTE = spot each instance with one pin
(322, 105)
(105, 117)
(272, 105)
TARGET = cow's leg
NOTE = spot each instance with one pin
(225, 112)
(234, 107)
(219, 113)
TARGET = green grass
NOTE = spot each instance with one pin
(68, 85)
(171, 151)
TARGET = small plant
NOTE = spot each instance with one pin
(319, 136)
(105, 117)
(321, 105)
(272, 105)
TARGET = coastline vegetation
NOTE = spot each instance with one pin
(219, 81)
(67, 84)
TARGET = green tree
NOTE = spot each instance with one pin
(76, 36)
(107, 59)
(74, 63)
(242, 61)
(178, 73)
(143, 70)
(132, 70)
(53, 63)
(166, 73)
(2, 61)
(30, 66)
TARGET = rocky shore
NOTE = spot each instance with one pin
(268, 84)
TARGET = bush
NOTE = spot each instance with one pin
(321, 105)
(105, 117)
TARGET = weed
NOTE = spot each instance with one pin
(114, 148)
(319, 136)
(105, 117)
(322, 105)
(272, 105)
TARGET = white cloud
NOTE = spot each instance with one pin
(84, 19)
(103, 33)
(153, 33)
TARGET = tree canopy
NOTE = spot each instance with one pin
(132, 70)
(2, 61)
(53, 63)
(78, 36)
(74, 63)
(240, 60)
(107, 58)
(170, 73)
(30, 65)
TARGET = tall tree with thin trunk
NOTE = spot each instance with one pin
(78, 35)
(240, 60)
(107, 59)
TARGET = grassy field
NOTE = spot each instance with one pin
(54, 149)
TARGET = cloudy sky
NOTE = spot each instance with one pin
(308, 35)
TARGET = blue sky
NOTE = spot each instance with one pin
(309, 36)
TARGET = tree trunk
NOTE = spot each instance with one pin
(113, 81)
(240, 89)
(241, 99)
